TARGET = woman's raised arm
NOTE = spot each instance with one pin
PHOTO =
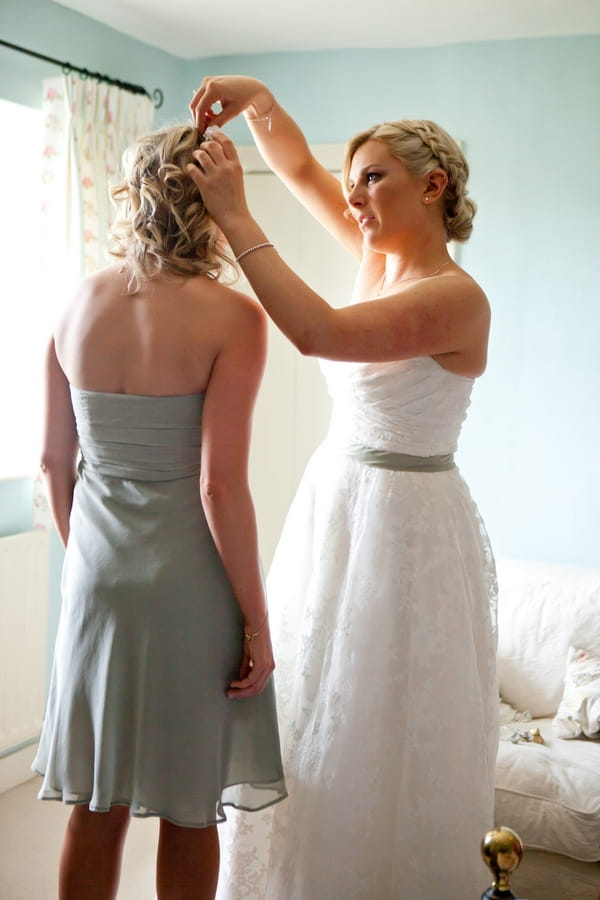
(445, 316)
(283, 147)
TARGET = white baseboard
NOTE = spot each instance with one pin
(16, 768)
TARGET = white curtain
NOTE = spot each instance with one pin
(87, 126)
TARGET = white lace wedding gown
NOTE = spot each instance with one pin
(382, 597)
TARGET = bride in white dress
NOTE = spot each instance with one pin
(382, 589)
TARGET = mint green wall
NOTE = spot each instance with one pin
(16, 505)
(528, 114)
(529, 118)
(59, 32)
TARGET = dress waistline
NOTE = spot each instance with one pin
(400, 462)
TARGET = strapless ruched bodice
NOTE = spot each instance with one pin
(139, 437)
(409, 406)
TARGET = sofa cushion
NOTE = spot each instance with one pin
(550, 793)
(579, 710)
(543, 608)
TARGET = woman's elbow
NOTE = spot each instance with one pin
(310, 342)
(221, 491)
(306, 348)
(52, 464)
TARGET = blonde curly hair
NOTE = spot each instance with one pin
(162, 226)
(423, 146)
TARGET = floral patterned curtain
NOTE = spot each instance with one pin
(87, 126)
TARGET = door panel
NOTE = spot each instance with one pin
(293, 406)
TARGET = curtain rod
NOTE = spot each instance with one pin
(157, 95)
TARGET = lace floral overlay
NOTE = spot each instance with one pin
(383, 596)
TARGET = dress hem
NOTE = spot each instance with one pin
(56, 794)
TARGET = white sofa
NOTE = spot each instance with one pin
(548, 793)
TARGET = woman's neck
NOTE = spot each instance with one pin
(421, 263)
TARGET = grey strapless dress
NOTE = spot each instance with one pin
(150, 632)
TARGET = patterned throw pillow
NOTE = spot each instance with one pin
(579, 710)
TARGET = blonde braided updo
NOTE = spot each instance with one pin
(424, 146)
(163, 227)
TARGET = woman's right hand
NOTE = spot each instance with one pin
(253, 678)
(235, 93)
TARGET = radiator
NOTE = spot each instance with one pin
(24, 566)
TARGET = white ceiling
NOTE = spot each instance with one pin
(196, 28)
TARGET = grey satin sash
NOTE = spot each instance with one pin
(400, 462)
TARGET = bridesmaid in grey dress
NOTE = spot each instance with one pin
(161, 702)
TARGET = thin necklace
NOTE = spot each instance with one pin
(381, 286)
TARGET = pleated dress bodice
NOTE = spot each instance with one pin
(411, 406)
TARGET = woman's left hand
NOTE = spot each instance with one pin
(219, 176)
(256, 667)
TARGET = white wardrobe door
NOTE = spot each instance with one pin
(292, 410)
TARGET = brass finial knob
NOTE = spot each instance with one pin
(502, 850)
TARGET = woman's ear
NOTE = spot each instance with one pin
(435, 184)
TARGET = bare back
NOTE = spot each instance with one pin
(163, 340)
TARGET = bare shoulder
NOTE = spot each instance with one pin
(476, 307)
(472, 291)
(88, 296)
(111, 278)
(239, 329)
(244, 305)
(467, 320)
(237, 308)
(458, 284)
(455, 295)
